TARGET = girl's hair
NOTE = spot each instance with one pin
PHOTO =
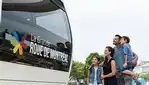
(94, 56)
(110, 49)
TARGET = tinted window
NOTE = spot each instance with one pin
(39, 39)
(58, 26)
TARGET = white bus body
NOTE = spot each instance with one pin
(35, 43)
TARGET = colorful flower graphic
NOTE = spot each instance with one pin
(18, 43)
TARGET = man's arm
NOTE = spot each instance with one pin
(135, 55)
(125, 60)
(135, 60)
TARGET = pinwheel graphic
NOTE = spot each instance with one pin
(18, 43)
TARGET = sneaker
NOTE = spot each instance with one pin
(137, 81)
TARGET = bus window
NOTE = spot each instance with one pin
(36, 35)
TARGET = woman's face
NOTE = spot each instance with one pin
(95, 61)
(107, 52)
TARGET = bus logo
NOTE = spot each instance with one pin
(18, 43)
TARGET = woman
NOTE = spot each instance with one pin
(94, 73)
(109, 68)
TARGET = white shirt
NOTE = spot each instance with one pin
(95, 69)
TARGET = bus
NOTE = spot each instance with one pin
(35, 43)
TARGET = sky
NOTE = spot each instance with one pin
(95, 22)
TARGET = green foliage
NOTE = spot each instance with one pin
(145, 76)
(77, 71)
(88, 61)
(80, 70)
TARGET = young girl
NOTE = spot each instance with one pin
(94, 73)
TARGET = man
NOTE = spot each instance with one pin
(119, 59)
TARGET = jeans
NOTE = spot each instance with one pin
(95, 83)
(124, 80)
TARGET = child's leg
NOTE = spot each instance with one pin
(128, 72)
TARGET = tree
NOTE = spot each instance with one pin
(88, 61)
(145, 76)
(77, 71)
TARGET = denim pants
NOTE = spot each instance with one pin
(95, 83)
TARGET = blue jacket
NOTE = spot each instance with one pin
(92, 75)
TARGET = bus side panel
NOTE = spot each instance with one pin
(26, 83)
(11, 71)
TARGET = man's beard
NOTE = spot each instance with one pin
(114, 43)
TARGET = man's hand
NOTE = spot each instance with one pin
(125, 65)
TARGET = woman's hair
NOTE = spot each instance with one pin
(110, 49)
